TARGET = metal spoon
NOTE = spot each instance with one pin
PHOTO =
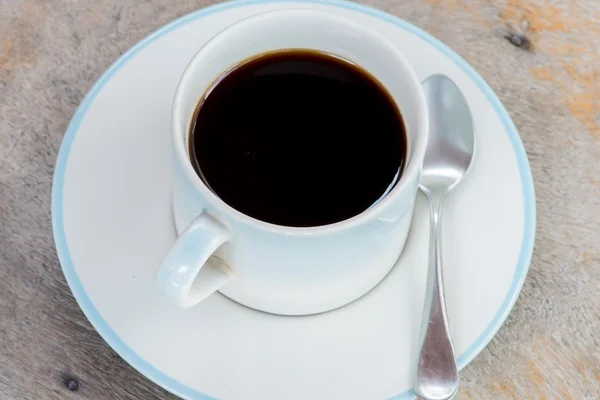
(447, 159)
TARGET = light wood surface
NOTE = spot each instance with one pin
(541, 57)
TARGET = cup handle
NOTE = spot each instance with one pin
(189, 273)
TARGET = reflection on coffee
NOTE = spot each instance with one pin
(298, 138)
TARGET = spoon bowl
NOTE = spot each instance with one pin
(451, 142)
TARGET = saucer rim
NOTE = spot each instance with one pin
(171, 384)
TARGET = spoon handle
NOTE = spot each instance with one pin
(437, 374)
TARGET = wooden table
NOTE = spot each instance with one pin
(541, 57)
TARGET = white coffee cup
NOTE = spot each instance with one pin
(279, 269)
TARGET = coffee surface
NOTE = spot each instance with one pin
(298, 138)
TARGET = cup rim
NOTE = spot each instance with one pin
(412, 167)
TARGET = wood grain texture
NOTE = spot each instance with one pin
(546, 73)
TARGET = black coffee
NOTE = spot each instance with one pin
(298, 138)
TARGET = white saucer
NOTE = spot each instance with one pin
(112, 225)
